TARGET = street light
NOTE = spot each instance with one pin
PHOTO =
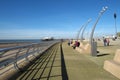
(79, 32)
(115, 16)
(93, 52)
(85, 28)
(82, 27)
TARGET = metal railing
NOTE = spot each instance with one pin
(13, 55)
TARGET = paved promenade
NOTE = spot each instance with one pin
(61, 62)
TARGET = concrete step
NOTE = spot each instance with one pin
(117, 56)
(113, 66)
(84, 48)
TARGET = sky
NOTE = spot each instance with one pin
(35, 19)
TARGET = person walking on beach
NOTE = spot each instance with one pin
(107, 41)
(104, 41)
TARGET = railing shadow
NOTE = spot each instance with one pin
(44, 67)
(63, 66)
(37, 66)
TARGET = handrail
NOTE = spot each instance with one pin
(14, 54)
(11, 48)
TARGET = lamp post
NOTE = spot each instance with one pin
(93, 52)
(79, 32)
(83, 26)
(84, 29)
(115, 16)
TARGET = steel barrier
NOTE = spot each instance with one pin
(12, 55)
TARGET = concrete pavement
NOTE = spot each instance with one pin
(64, 63)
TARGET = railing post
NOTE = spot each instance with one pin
(26, 55)
(15, 62)
(34, 46)
(38, 49)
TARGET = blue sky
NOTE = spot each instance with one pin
(34, 19)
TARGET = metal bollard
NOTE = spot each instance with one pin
(94, 49)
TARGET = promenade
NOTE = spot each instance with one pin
(61, 62)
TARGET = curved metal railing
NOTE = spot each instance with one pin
(12, 55)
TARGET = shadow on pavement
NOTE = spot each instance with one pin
(63, 66)
(45, 67)
(99, 55)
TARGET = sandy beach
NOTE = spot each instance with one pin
(6, 45)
